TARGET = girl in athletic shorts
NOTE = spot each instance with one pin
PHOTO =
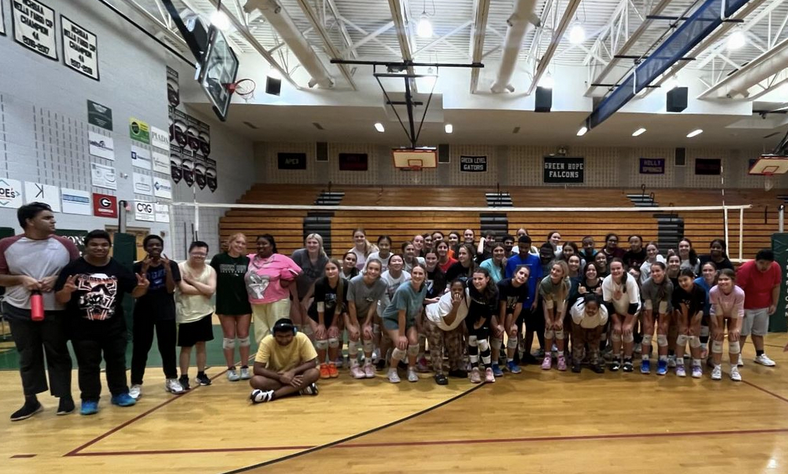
(689, 300)
(706, 280)
(364, 292)
(400, 319)
(620, 293)
(484, 302)
(512, 293)
(591, 283)
(727, 307)
(325, 313)
(657, 293)
(674, 268)
(589, 318)
(554, 291)
(394, 277)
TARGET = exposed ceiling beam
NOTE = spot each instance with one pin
(558, 34)
(399, 15)
(349, 49)
(738, 83)
(373, 36)
(478, 32)
(333, 51)
(369, 37)
(161, 26)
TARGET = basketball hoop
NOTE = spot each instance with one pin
(244, 88)
(768, 182)
(415, 168)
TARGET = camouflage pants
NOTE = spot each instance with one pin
(441, 341)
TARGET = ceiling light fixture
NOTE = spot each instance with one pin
(424, 27)
(577, 34)
(583, 130)
(547, 81)
(694, 133)
(449, 128)
(639, 132)
(736, 40)
(274, 74)
(379, 127)
(219, 19)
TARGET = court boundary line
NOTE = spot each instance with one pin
(779, 397)
(357, 435)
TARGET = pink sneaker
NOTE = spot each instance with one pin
(369, 371)
(356, 372)
(475, 376)
(561, 363)
(489, 377)
(547, 362)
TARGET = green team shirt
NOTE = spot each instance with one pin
(231, 296)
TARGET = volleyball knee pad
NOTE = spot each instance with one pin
(398, 353)
(629, 337)
(244, 341)
(228, 343)
(368, 346)
(321, 344)
(733, 347)
(716, 347)
(682, 339)
(662, 340)
(333, 342)
(484, 345)
(615, 337)
(647, 339)
(413, 350)
(704, 331)
(511, 343)
(549, 333)
(473, 341)
(559, 334)
(694, 342)
(352, 349)
(496, 343)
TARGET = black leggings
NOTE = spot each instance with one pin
(166, 332)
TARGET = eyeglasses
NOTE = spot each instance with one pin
(203, 255)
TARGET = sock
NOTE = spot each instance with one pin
(696, 362)
(758, 353)
(644, 357)
(663, 358)
(734, 366)
(510, 359)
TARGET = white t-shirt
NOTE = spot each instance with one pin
(580, 317)
(631, 296)
(391, 286)
(436, 312)
(191, 308)
(385, 261)
(645, 268)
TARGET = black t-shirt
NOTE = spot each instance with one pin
(436, 283)
(695, 299)
(231, 296)
(96, 306)
(157, 302)
(457, 270)
(511, 295)
(634, 259)
(480, 306)
(725, 263)
(328, 296)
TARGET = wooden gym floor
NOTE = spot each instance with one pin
(532, 422)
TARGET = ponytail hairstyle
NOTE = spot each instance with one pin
(491, 290)
(662, 291)
(624, 275)
(729, 273)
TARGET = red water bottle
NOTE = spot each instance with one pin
(36, 306)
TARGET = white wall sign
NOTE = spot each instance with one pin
(80, 48)
(140, 157)
(101, 146)
(162, 213)
(143, 211)
(37, 192)
(10, 193)
(161, 161)
(103, 176)
(160, 138)
(75, 202)
(162, 188)
(143, 184)
(34, 26)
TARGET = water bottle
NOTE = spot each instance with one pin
(36, 306)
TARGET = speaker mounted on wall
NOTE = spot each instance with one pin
(677, 99)
(544, 99)
(273, 86)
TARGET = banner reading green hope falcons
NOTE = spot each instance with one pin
(563, 170)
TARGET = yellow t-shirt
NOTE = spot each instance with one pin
(282, 358)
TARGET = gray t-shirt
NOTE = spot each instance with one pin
(365, 296)
(654, 294)
(407, 298)
(311, 272)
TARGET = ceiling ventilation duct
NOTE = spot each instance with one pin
(738, 84)
(522, 16)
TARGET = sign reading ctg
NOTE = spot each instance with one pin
(562, 170)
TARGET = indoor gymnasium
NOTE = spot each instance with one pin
(378, 236)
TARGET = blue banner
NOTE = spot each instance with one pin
(652, 166)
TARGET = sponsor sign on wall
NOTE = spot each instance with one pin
(103, 176)
(101, 146)
(10, 193)
(75, 201)
(38, 192)
(143, 211)
(105, 205)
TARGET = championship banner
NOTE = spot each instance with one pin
(778, 321)
(34, 27)
(80, 48)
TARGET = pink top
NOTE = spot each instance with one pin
(262, 279)
(731, 306)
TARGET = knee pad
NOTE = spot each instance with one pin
(511, 343)
(647, 339)
(629, 337)
(662, 340)
(559, 334)
(716, 347)
(375, 329)
(321, 344)
(398, 353)
(694, 342)
(733, 347)
(413, 350)
(368, 346)
(333, 343)
(484, 345)
(549, 333)
(473, 341)
(244, 341)
(682, 339)
(496, 343)
(228, 343)
(615, 337)
(704, 331)
(352, 349)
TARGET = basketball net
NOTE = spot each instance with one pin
(768, 182)
(244, 88)
(416, 176)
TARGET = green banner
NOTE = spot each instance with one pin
(75, 236)
(779, 320)
(139, 130)
(124, 251)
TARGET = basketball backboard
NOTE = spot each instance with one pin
(415, 158)
(770, 165)
(217, 70)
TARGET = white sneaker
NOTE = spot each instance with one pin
(173, 386)
(232, 375)
(245, 375)
(357, 373)
(393, 375)
(763, 359)
(697, 372)
(741, 361)
(680, 371)
(135, 391)
(735, 376)
(716, 373)
(412, 376)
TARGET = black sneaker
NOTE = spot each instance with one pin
(628, 367)
(441, 379)
(576, 368)
(599, 369)
(529, 359)
(203, 379)
(310, 389)
(615, 365)
(381, 364)
(27, 410)
(65, 406)
(184, 380)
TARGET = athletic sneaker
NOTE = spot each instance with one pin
(513, 368)
(412, 376)
(357, 373)
(645, 366)
(135, 391)
(184, 381)
(547, 363)
(123, 400)
(599, 368)
(333, 371)
(672, 361)
(716, 373)
(475, 376)
(340, 362)
(496, 369)
(369, 370)
(203, 379)
(232, 375)
(662, 367)
(615, 365)
(173, 386)
(324, 372)
(27, 410)
(489, 375)
(310, 389)
(422, 366)
(245, 374)
(561, 363)
(763, 359)
(441, 379)
(393, 375)
(260, 396)
(697, 372)
(680, 371)
(65, 406)
(576, 368)
(628, 366)
(741, 361)
(735, 375)
(89, 407)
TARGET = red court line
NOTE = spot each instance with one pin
(194, 451)
(22, 456)
(766, 391)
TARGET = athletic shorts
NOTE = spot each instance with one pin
(662, 308)
(756, 322)
(198, 331)
(393, 324)
(328, 318)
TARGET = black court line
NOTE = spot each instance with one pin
(358, 435)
